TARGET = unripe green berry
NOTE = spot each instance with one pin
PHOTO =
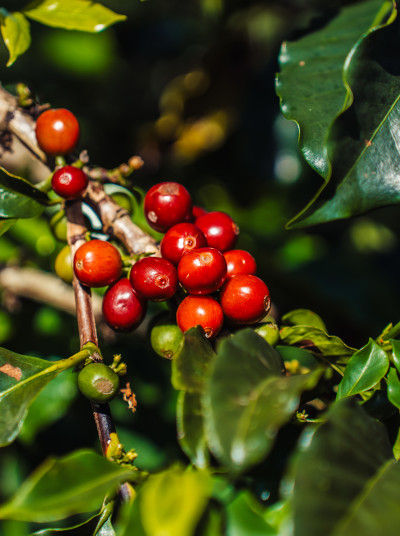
(269, 332)
(58, 224)
(63, 265)
(98, 382)
(166, 339)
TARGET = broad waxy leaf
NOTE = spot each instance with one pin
(364, 370)
(16, 33)
(19, 198)
(310, 337)
(180, 496)
(312, 83)
(191, 364)
(245, 518)
(396, 353)
(303, 317)
(345, 454)
(62, 487)
(190, 426)
(393, 388)
(89, 525)
(84, 15)
(247, 399)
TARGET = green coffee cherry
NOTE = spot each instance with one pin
(58, 224)
(269, 332)
(98, 382)
(123, 201)
(166, 339)
(63, 265)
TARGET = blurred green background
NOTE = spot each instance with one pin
(188, 86)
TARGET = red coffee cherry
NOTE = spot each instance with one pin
(239, 261)
(97, 263)
(202, 271)
(154, 278)
(181, 239)
(69, 182)
(245, 299)
(167, 204)
(57, 131)
(219, 229)
(198, 211)
(123, 308)
(200, 311)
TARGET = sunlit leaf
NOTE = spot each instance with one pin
(84, 15)
(303, 317)
(16, 33)
(364, 370)
(59, 488)
(393, 388)
(18, 197)
(396, 353)
(315, 339)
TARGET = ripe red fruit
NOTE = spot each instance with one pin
(167, 204)
(123, 309)
(197, 212)
(181, 239)
(57, 131)
(69, 182)
(154, 278)
(200, 311)
(202, 270)
(97, 263)
(219, 229)
(239, 261)
(245, 299)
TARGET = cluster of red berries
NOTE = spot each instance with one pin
(197, 255)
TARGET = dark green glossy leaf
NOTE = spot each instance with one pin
(396, 353)
(245, 518)
(312, 84)
(16, 34)
(191, 364)
(293, 353)
(84, 15)
(190, 426)
(247, 399)
(85, 527)
(303, 317)
(364, 370)
(62, 487)
(168, 504)
(50, 405)
(315, 339)
(18, 197)
(393, 387)
(335, 470)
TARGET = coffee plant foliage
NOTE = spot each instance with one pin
(289, 430)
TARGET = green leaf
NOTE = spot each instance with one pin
(393, 387)
(303, 317)
(180, 498)
(364, 370)
(293, 353)
(18, 197)
(312, 84)
(247, 399)
(83, 15)
(336, 470)
(396, 353)
(89, 525)
(50, 405)
(191, 364)
(21, 380)
(16, 33)
(190, 425)
(245, 518)
(315, 338)
(62, 487)
(5, 225)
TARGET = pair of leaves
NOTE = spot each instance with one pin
(306, 329)
(62, 487)
(167, 504)
(353, 485)
(320, 73)
(83, 15)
